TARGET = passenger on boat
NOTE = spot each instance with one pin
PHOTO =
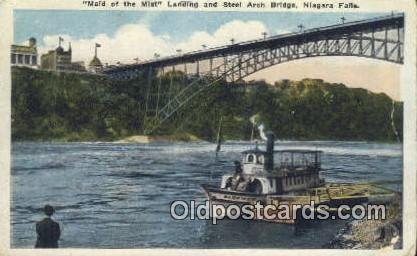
(242, 185)
(251, 187)
(237, 176)
(238, 167)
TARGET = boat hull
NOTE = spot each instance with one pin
(331, 195)
(226, 197)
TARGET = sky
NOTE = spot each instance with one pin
(126, 35)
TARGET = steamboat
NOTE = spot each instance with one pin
(288, 177)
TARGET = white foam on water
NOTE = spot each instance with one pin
(340, 148)
(328, 147)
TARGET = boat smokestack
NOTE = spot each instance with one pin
(269, 160)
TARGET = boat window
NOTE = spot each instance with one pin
(260, 159)
(250, 158)
(286, 162)
(298, 159)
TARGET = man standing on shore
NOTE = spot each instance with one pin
(48, 230)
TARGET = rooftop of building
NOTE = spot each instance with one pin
(31, 48)
(59, 50)
(95, 62)
(24, 49)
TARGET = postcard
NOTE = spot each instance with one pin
(233, 127)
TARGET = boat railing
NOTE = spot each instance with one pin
(297, 159)
(298, 167)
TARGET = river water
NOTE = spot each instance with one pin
(118, 195)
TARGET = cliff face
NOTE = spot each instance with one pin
(80, 107)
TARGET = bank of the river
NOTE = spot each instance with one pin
(73, 107)
(372, 234)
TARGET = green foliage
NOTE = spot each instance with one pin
(76, 107)
(64, 106)
(310, 109)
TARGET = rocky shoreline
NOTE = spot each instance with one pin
(372, 234)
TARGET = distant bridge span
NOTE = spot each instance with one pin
(380, 38)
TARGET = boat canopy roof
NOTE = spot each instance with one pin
(293, 151)
(254, 151)
(298, 151)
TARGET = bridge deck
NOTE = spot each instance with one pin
(348, 28)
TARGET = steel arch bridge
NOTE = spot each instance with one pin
(380, 38)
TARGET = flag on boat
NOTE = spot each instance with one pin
(219, 136)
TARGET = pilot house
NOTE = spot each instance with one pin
(276, 172)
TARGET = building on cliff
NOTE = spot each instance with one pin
(61, 60)
(23, 55)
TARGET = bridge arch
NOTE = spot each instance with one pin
(365, 47)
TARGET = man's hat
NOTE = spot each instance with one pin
(48, 210)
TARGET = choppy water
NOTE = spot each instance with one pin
(118, 195)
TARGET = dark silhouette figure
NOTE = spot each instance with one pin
(238, 167)
(237, 176)
(48, 230)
